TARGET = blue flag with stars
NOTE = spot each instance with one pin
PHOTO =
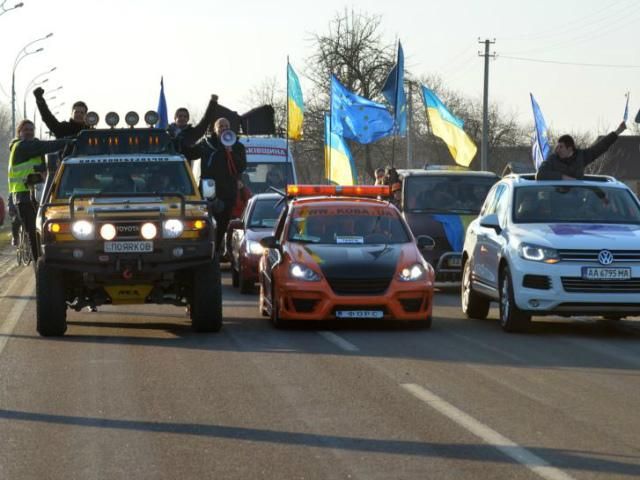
(393, 91)
(357, 118)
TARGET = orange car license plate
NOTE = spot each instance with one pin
(359, 314)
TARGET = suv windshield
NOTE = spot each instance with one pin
(265, 213)
(120, 178)
(356, 226)
(574, 204)
(260, 176)
(462, 194)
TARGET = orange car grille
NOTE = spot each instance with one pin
(359, 286)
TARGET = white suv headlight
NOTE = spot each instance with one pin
(302, 272)
(83, 230)
(536, 253)
(172, 228)
(413, 273)
(254, 247)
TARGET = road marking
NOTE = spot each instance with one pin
(487, 434)
(339, 341)
(19, 305)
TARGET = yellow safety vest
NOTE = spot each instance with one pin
(18, 173)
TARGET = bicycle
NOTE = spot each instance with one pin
(24, 255)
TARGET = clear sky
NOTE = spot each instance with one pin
(111, 53)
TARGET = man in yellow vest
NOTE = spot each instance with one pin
(25, 159)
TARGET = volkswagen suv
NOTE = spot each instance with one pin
(553, 248)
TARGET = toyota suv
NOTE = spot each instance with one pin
(565, 247)
(123, 222)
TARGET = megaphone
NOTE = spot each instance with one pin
(228, 138)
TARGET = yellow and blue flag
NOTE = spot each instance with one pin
(449, 128)
(338, 163)
(357, 118)
(295, 105)
(393, 91)
(163, 115)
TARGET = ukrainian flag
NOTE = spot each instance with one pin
(338, 163)
(449, 128)
(295, 105)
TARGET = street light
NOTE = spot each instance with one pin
(32, 84)
(4, 9)
(22, 54)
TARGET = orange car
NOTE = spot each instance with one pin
(340, 253)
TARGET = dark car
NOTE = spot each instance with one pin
(440, 204)
(257, 222)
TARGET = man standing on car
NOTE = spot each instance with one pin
(568, 163)
(26, 159)
(66, 128)
(223, 164)
(186, 134)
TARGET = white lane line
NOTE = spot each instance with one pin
(339, 341)
(487, 434)
(19, 305)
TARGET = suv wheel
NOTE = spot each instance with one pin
(512, 319)
(51, 306)
(206, 298)
(473, 304)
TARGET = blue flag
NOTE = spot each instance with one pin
(357, 118)
(163, 115)
(625, 117)
(541, 141)
(393, 91)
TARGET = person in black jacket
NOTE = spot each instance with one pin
(185, 134)
(568, 163)
(66, 128)
(225, 166)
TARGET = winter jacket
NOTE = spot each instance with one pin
(67, 128)
(242, 198)
(185, 138)
(554, 167)
(214, 164)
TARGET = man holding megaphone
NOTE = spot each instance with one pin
(223, 159)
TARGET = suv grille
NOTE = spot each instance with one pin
(359, 286)
(578, 285)
(592, 255)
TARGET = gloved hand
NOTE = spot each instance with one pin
(38, 93)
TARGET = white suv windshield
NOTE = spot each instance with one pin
(574, 204)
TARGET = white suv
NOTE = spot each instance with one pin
(553, 248)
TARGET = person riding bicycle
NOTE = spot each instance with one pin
(26, 163)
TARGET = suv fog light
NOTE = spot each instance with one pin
(534, 303)
(78, 253)
(178, 252)
(108, 231)
(148, 231)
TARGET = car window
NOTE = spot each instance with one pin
(579, 204)
(347, 225)
(502, 204)
(265, 213)
(492, 202)
(258, 177)
(462, 194)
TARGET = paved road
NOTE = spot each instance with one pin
(133, 393)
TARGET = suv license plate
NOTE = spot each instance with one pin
(359, 314)
(128, 247)
(597, 273)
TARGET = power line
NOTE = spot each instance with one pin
(558, 62)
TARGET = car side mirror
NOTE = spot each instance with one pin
(425, 242)
(208, 188)
(236, 224)
(270, 242)
(491, 221)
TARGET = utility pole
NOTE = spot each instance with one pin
(409, 125)
(484, 149)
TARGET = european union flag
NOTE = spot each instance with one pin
(393, 91)
(163, 115)
(357, 118)
(541, 138)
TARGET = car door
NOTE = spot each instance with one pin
(495, 241)
(272, 257)
(485, 246)
(237, 244)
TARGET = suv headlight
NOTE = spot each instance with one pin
(254, 247)
(172, 228)
(536, 253)
(83, 230)
(302, 272)
(413, 273)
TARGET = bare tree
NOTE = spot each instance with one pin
(270, 92)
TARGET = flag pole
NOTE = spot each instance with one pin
(287, 132)
(330, 132)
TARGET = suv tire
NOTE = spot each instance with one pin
(512, 319)
(51, 306)
(206, 298)
(473, 304)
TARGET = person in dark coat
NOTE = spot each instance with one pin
(568, 162)
(225, 166)
(66, 128)
(185, 134)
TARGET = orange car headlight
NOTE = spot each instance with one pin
(302, 272)
(413, 273)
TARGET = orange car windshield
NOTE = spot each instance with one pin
(346, 226)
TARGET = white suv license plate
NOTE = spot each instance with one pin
(359, 314)
(598, 273)
(128, 247)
